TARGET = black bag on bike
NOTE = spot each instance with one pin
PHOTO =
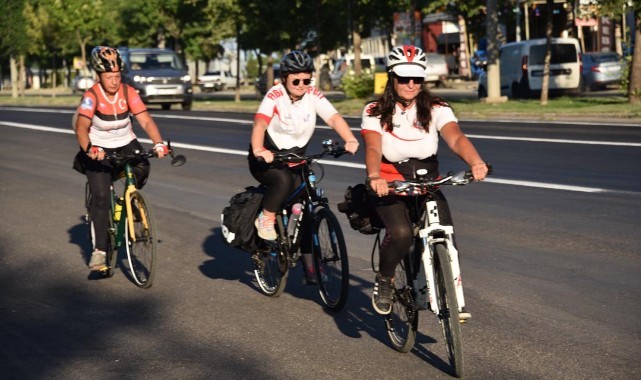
(237, 219)
(359, 210)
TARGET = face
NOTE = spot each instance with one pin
(110, 82)
(407, 88)
(295, 83)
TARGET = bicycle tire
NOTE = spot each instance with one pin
(402, 322)
(271, 269)
(331, 265)
(448, 308)
(142, 242)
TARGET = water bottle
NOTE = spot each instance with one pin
(118, 209)
(297, 209)
(312, 180)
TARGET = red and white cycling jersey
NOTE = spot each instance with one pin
(407, 141)
(110, 122)
(290, 124)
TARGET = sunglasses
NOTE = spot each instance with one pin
(406, 80)
(306, 82)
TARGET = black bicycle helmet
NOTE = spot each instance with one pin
(106, 59)
(296, 62)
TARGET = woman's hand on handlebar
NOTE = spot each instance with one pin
(351, 146)
(265, 154)
(96, 153)
(161, 150)
(479, 171)
(379, 186)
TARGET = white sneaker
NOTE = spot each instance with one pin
(98, 260)
(265, 227)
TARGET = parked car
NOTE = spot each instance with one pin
(158, 75)
(216, 81)
(521, 67)
(81, 83)
(345, 65)
(436, 72)
(601, 69)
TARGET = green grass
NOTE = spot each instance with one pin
(567, 108)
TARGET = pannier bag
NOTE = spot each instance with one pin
(360, 212)
(237, 219)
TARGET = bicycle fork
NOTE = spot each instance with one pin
(433, 233)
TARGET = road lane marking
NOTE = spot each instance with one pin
(204, 148)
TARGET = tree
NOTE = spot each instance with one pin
(13, 39)
(548, 54)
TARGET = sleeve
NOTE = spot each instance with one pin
(370, 123)
(87, 105)
(324, 108)
(136, 105)
(267, 109)
(442, 115)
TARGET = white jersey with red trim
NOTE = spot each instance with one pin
(408, 139)
(292, 124)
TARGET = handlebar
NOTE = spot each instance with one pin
(422, 186)
(119, 158)
(330, 148)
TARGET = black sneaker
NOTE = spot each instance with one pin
(383, 295)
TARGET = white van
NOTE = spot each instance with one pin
(345, 65)
(521, 68)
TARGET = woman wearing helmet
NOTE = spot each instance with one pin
(285, 122)
(103, 125)
(401, 131)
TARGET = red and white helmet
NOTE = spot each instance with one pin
(407, 61)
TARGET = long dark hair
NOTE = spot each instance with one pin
(386, 105)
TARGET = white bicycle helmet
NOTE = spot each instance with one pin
(407, 61)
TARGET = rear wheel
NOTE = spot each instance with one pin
(402, 322)
(330, 259)
(271, 268)
(448, 308)
(142, 242)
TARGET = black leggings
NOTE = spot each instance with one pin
(99, 175)
(397, 214)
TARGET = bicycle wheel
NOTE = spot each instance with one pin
(448, 308)
(330, 259)
(402, 322)
(271, 268)
(142, 242)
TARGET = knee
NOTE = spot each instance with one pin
(100, 199)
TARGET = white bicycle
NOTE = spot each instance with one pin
(429, 277)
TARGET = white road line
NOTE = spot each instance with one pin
(324, 162)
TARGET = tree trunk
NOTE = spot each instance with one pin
(22, 76)
(14, 76)
(634, 92)
(357, 53)
(548, 55)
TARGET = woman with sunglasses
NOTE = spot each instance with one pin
(285, 123)
(401, 131)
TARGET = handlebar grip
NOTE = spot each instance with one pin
(490, 170)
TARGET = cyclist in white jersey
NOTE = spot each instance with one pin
(285, 122)
(401, 132)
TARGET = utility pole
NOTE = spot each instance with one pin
(493, 70)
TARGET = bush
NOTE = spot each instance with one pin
(358, 86)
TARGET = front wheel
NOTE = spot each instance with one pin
(402, 322)
(331, 266)
(448, 308)
(142, 242)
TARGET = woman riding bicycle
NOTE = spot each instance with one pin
(103, 125)
(285, 122)
(401, 131)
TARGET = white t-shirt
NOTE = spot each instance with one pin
(292, 124)
(408, 139)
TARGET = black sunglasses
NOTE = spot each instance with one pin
(306, 82)
(406, 80)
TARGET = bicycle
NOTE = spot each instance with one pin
(273, 260)
(429, 277)
(131, 223)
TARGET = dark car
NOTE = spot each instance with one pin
(261, 83)
(600, 70)
(158, 75)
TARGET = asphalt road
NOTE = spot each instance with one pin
(549, 245)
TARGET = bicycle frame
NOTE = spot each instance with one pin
(434, 232)
(118, 230)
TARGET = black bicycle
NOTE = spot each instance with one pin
(131, 223)
(273, 259)
(429, 277)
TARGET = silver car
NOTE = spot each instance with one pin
(600, 70)
(436, 69)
